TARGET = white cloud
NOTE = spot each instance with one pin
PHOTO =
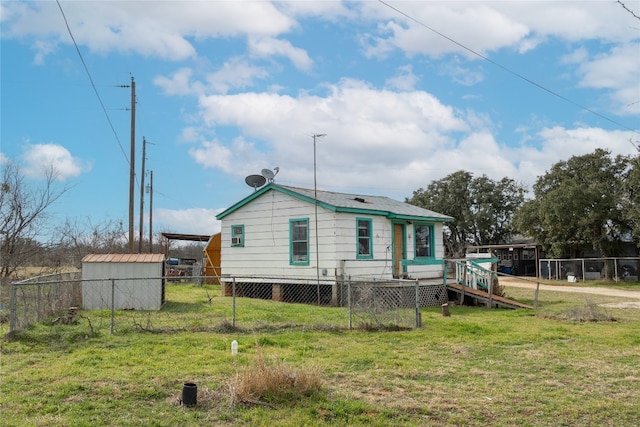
(552, 144)
(404, 80)
(158, 29)
(459, 23)
(189, 221)
(489, 26)
(235, 73)
(459, 74)
(41, 159)
(178, 83)
(379, 141)
(265, 47)
(240, 158)
(618, 70)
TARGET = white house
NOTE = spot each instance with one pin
(287, 232)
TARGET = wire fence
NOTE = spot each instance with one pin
(582, 269)
(165, 304)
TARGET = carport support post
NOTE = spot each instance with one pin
(113, 304)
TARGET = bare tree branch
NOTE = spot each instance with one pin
(628, 10)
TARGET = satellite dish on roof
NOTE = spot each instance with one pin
(270, 174)
(255, 181)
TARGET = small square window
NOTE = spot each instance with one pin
(237, 235)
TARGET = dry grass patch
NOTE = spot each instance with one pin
(265, 382)
(589, 312)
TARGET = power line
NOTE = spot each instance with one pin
(92, 83)
(508, 70)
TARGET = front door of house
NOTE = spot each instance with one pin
(398, 250)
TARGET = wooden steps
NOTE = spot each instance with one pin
(484, 296)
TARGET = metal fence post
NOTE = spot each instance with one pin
(535, 296)
(38, 298)
(13, 302)
(418, 314)
(349, 302)
(233, 302)
(113, 304)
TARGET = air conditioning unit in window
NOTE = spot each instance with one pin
(236, 240)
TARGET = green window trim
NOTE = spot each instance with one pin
(299, 241)
(237, 235)
(364, 238)
(422, 261)
(423, 242)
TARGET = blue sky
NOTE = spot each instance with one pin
(406, 93)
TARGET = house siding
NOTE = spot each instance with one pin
(267, 245)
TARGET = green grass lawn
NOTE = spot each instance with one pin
(478, 367)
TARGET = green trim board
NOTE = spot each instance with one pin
(483, 260)
(364, 242)
(422, 261)
(297, 240)
(403, 225)
(234, 234)
(431, 238)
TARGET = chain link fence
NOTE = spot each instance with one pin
(582, 269)
(234, 303)
(44, 297)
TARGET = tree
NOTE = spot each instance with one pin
(577, 206)
(631, 199)
(77, 239)
(23, 216)
(482, 209)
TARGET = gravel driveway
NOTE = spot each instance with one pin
(531, 284)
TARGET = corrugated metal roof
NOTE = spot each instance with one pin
(149, 258)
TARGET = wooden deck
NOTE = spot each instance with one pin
(484, 296)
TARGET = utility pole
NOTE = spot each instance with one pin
(144, 157)
(132, 165)
(150, 191)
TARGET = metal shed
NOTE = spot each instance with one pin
(123, 281)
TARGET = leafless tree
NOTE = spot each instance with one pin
(23, 215)
(77, 238)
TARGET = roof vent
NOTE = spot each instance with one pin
(359, 199)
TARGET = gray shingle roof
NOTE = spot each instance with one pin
(385, 205)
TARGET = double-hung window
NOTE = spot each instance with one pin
(423, 240)
(299, 241)
(365, 241)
